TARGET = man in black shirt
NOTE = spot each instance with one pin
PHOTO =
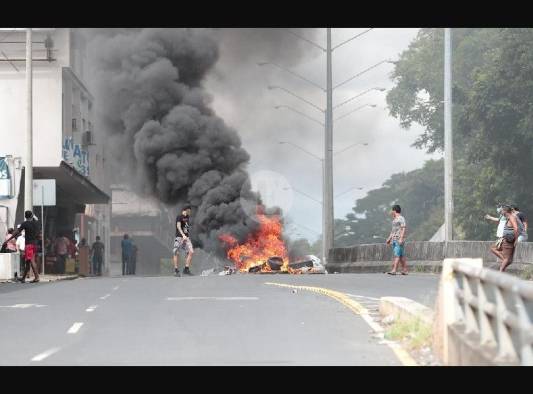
(31, 230)
(182, 241)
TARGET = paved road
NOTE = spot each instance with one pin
(214, 320)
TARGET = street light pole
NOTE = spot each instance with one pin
(448, 141)
(328, 210)
(28, 168)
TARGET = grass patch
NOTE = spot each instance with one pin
(527, 273)
(418, 268)
(414, 332)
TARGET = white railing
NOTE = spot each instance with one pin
(493, 311)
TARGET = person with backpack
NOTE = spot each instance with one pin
(505, 248)
(522, 223)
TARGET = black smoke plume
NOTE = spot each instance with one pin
(167, 140)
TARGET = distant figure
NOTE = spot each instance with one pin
(127, 249)
(182, 241)
(84, 258)
(11, 246)
(31, 228)
(61, 248)
(397, 236)
(133, 261)
(97, 251)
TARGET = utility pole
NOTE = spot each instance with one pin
(448, 140)
(28, 167)
(328, 212)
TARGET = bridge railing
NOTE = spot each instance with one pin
(488, 315)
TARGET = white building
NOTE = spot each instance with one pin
(65, 145)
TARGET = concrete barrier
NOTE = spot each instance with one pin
(483, 317)
(428, 255)
(402, 308)
(9, 265)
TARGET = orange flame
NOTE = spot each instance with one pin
(266, 242)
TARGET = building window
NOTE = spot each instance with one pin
(83, 124)
(74, 125)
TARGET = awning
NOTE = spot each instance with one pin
(71, 185)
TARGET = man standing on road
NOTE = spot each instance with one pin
(31, 229)
(182, 241)
(127, 249)
(397, 236)
(97, 251)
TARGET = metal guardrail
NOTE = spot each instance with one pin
(494, 310)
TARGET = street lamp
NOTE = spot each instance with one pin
(362, 72)
(350, 146)
(298, 97)
(261, 64)
(355, 110)
(302, 149)
(349, 190)
(327, 174)
(303, 194)
(299, 112)
(359, 95)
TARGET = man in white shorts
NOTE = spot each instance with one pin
(182, 241)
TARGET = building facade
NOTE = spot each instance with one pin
(66, 146)
(148, 223)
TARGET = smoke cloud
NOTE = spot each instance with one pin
(167, 140)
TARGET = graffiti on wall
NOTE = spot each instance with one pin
(77, 157)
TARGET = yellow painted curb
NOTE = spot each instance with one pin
(358, 309)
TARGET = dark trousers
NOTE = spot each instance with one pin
(133, 264)
(125, 264)
(61, 261)
(97, 264)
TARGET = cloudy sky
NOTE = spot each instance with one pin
(242, 99)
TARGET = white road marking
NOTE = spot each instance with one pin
(22, 306)
(213, 298)
(360, 296)
(43, 355)
(115, 288)
(91, 308)
(75, 328)
(104, 297)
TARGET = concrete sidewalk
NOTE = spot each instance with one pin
(45, 278)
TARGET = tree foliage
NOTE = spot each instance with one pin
(492, 71)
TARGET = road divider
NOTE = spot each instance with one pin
(213, 298)
(358, 309)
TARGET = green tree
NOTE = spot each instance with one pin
(420, 194)
(492, 116)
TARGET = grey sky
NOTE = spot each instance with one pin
(241, 97)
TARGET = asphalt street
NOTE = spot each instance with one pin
(213, 320)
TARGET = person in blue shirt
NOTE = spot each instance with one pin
(127, 251)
